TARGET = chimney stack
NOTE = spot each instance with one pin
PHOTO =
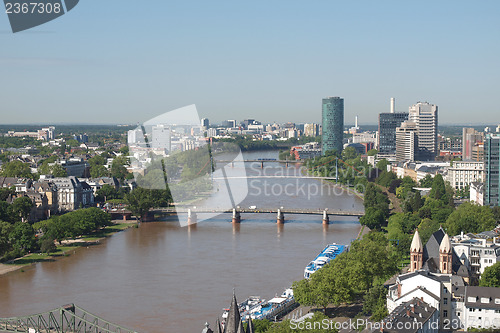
(393, 105)
(356, 122)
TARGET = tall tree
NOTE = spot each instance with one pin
(21, 207)
(5, 229)
(438, 189)
(140, 201)
(23, 238)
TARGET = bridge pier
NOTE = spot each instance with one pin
(236, 216)
(232, 164)
(192, 218)
(326, 219)
(280, 219)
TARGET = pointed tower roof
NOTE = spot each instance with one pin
(241, 329)
(217, 326)
(445, 246)
(233, 317)
(416, 243)
(207, 329)
(250, 328)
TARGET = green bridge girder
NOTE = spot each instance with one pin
(66, 319)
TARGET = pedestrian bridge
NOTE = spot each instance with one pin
(66, 319)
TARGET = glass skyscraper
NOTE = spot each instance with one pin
(333, 124)
(491, 170)
(387, 124)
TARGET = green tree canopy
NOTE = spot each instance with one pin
(21, 207)
(426, 228)
(374, 303)
(5, 230)
(349, 153)
(374, 218)
(382, 164)
(438, 190)
(118, 168)
(426, 182)
(140, 201)
(5, 192)
(55, 170)
(22, 237)
(491, 276)
(369, 262)
(16, 169)
(470, 218)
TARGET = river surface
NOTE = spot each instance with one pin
(163, 277)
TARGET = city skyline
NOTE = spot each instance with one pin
(259, 60)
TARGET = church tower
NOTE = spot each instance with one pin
(416, 253)
(445, 255)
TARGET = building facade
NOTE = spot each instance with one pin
(387, 124)
(406, 142)
(462, 173)
(161, 138)
(491, 169)
(470, 137)
(425, 116)
(476, 194)
(311, 130)
(476, 307)
(333, 124)
(476, 253)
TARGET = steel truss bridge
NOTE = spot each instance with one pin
(66, 319)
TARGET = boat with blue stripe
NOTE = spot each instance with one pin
(329, 253)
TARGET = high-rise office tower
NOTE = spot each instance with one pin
(492, 170)
(161, 137)
(333, 124)
(311, 130)
(387, 124)
(470, 138)
(425, 116)
(205, 123)
(406, 142)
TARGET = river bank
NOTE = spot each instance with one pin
(65, 248)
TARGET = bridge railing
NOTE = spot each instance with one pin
(66, 319)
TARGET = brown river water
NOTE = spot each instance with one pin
(163, 277)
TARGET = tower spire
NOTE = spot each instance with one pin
(233, 317)
(416, 253)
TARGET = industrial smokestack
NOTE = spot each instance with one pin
(356, 122)
(393, 105)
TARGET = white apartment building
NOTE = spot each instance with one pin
(364, 137)
(476, 253)
(311, 129)
(161, 137)
(476, 194)
(425, 116)
(406, 142)
(462, 173)
(477, 307)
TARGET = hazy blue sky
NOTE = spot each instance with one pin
(122, 61)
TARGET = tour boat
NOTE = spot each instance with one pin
(329, 253)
